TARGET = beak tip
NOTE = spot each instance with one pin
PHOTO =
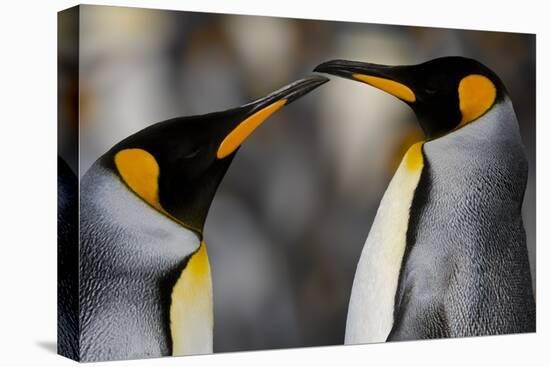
(291, 91)
(304, 86)
(322, 79)
(323, 67)
(335, 67)
(316, 79)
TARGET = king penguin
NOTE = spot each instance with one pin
(145, 284)
(446, 255)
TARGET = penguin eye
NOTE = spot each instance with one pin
(192, 153)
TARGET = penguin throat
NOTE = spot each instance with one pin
(191, 309)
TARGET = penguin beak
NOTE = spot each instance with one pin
(390, 79)
(261, 109)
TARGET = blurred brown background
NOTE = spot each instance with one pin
(287, 226)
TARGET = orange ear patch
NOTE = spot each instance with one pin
(140, 171)
(392, 87)
(476, 95)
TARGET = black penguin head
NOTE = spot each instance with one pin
(176, 165)
(445, 93)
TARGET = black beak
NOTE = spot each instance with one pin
(391, 79)
(259, 110)
(290, 92)
(347, 69)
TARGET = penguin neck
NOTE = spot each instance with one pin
(131, 214)
(498, 125)
(490, 143)
(164, 252)
(191, 309)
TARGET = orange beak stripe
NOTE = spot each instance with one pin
(394, 88)
(239, 134)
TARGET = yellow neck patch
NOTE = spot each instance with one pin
(414, 160)
(392, 87)
(236, 137)
(191, 310)
(476, 95)
(139, 169)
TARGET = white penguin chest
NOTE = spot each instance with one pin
(371, 307)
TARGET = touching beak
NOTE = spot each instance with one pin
(390, 79)
(262, 108)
